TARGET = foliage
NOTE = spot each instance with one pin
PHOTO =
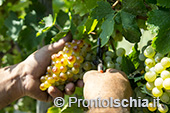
(27, 25)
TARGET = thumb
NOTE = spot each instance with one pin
(57, 46)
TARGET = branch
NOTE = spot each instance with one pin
(114, 5)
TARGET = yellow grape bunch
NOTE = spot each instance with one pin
(68, 65)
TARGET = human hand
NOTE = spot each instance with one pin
(112, 83)
(35, 66)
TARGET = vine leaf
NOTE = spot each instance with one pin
(14, 26)
(102, 10)
(131, 30)
(136, 7)
(107, 29)
(164, 3)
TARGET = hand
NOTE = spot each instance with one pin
(112, 83)
(35, 66)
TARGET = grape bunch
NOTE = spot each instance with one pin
(157, 76)
(68, 65)
(114, 59)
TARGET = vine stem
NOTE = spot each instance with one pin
(111, 43)
(58, 27)
(114, 5)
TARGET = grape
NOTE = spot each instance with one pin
(87, 47)
(158, 57)
(69, 73)
(46, 84)
(50, 80)
(42, 87)
(56, 70)
(149, 52)
(150, 85)
(80, 59)
(88, 57)
(76, 65)
(142, 57)
(159, 83)
(163, 108)
(80, 43)
(42, 79)
(165, 97)
(57, 64)
(119, 59)
(63, 69)
(165, 74)
(64, 62)
(56, 77)
(165, 62)
(76, 49)
(75, 70)
(110, 54)
(63, 76)
(71, 59)
(87, 66)
(150, 62)
(150, 76)
(53, 57)
(74, 42)
(117, 66)
(107, 59)
(166, 84)
(120, 52)
(157, 92)
(49, 69)
(83, 52)
(159, 68)
(70, 64)
(147, 69)
(110, 64)
(151, 107)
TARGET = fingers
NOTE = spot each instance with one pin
(54, 92)
(69, 88)
(57, 46)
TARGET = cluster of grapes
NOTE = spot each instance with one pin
(111, 57)
(68, 65)
(157, 76)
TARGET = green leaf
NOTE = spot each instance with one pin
(91, 3)
(131, 30)
(107, 29)
(144, 90)
(80, 7)
(136, 7)
(102, 10)
(127, 65)
(159, 18)
(54, 109)
(134, 56)
(62, 17)
(14, 26)
(21, 5)
(162, 42)
(163, 3)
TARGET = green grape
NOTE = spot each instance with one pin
(63, 61)
(50, 80)
(110, 64)
(42, 87)
(150, 76)
(75, 77)
(120, 52)
(71, 59)
(80, 43)
(58, 64)
(56, 70)
(46, 84)
(150, 62)
(76, 49)
(150, 85)
(74, 42)
(107, 59)
(63, 69)
(110, 54)
(117, 66)
(165, 74)
(79, 59)
(119, 59)
(159, 83)
(165, 97)
(165, 62)
(157, 92)
(53, 57)
(69, 74)
(56, 77)
(149, 52)
(63, 76)
(166, 84)
(159, 68)
(163, 108)
(88, 57)
(87, 66)
(87, 47)
(42, 79)
(142, 57)
(76, 65)
(158, 57)
(147, 68)
(75, 70)
(151, 107)
(70, 64)
(83, 52)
